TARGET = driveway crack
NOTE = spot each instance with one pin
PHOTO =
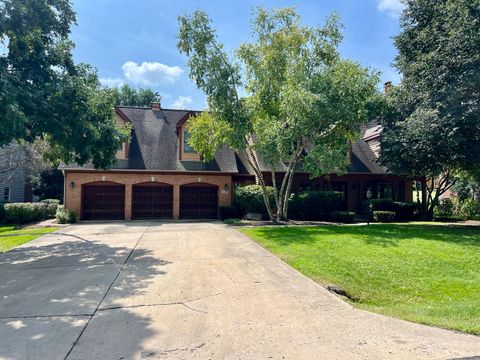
(120, 269)
(183, 303)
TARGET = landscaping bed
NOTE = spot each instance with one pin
(424, 273)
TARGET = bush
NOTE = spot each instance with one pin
(68, 216)
(228, 212)
(470, 209)
(22, 213)
(381, 204)
(342, 216)
(249, 198)
(384, 216)
(444, 209)
(2, 211)
(405, 211)
(315, 205)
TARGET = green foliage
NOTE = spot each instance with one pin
(431, 125)
(48, 184)
(342, 216)
(126, 95)
(67, 216)
(44, 94)
(383, 216)
(381, 204)
(229, 212)
(249, 198)
(444, 209)
(302, 102)
(2, 212)
(470, 208)
(22, 213)
(405, 211)
(315, 205)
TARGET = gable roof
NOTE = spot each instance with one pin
(154, 145)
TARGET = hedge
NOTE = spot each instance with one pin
(229, 212)
(22, 213)
(343, 216)
(249, 198)
(383, 216)
(315, 205)
(405, 211)
(68, 216)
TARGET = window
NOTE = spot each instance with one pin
(379, 189)
(186, 147)
(6, 194)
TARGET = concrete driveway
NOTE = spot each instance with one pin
(140, 290)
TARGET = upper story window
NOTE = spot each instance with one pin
(6, 194)
(186, 147)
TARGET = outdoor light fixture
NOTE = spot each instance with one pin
(72, 184)
(225, 187)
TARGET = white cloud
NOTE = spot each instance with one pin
(109, 82)
(392, 7)
(181, 102)
(151, 73)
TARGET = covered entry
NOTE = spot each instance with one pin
(198, 201)
(103, 201)
(152, 201)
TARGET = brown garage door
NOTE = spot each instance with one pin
(105, 201)
(198, 201)
(152, 201)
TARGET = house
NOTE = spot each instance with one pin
(15, 174)
(157, 175)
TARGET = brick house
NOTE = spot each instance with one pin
(157, 175)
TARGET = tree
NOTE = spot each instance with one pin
(44, 94)
(431, 125)
(303, 102)
(126, 95)
(48, 184)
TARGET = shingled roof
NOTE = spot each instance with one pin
(154, 146)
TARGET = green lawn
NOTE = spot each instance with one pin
(424, 273)
(10, 238)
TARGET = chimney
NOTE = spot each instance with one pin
(387, 86)
(155, 105)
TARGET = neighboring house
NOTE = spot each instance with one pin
(158, 175)
(14, 176)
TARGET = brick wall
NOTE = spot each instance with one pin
(78, 178)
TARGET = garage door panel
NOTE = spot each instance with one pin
(198, 202)
(103, 202)
(152, 201)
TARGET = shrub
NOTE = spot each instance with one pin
(470, 208)
(227, 212)
(381, 204)
(249, 198)
(342, 216)
(383, 216)
(405, 211)
(315, 205)
(2, 211)
(49, 208)
(22, 213)
(444, 209)
(68, 216)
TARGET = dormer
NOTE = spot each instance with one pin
(185, 151)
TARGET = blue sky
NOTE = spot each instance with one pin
(134, 41)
